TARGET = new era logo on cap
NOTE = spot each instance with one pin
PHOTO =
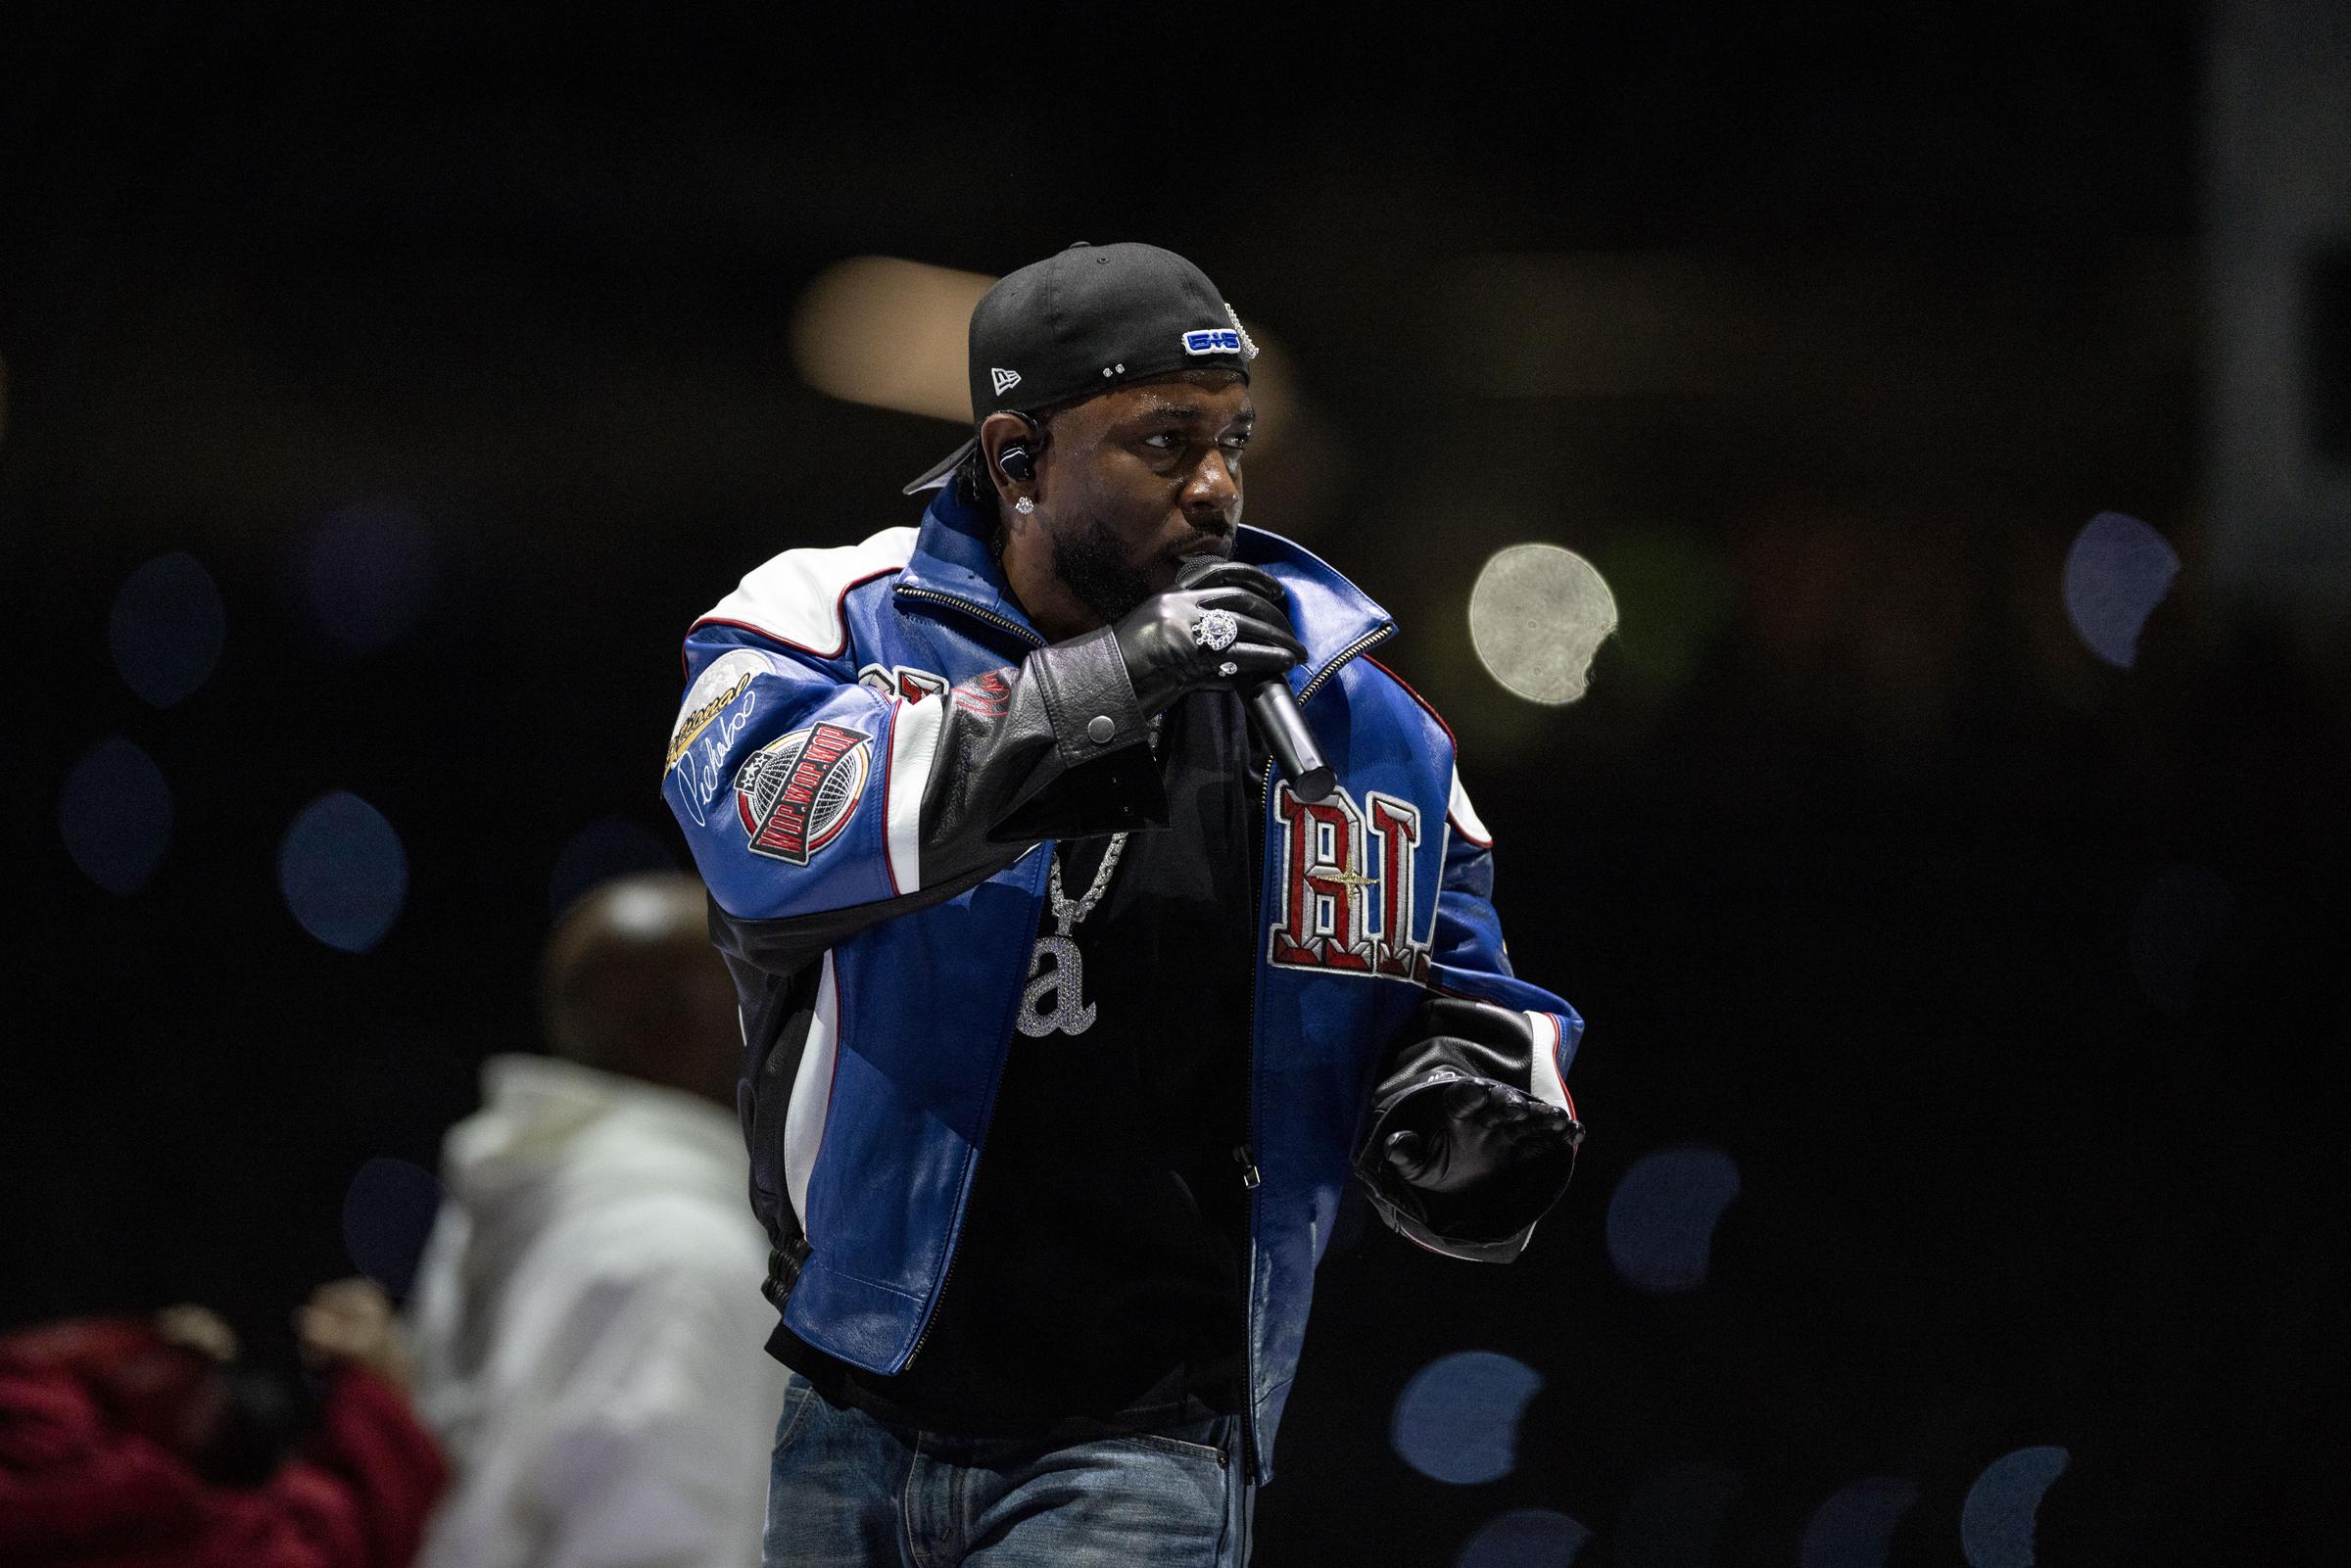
(1085, 320)
(1213, 340)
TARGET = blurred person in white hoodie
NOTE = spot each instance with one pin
(587, 1321)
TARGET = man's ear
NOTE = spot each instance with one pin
(1000, 433)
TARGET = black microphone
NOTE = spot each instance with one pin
(1275, 714)
(1273, 711)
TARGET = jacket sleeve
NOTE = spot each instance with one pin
(384, 1469)
(1482, 1022)
(817, 805)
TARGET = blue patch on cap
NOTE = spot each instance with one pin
(1213, 340)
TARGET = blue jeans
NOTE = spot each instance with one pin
(848, 1490)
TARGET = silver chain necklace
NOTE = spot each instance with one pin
(1071, 1012)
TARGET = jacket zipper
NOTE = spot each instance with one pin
(936, 1302)
(975, 611)
(1378, 633)
(1245, 1153)
(1251, 1177)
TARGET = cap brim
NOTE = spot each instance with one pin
(935, 476)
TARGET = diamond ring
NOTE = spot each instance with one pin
(1228, 668)
(1216, 630)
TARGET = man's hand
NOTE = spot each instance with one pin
(197, 1328)
(1482, 1127)
(1163, 658)
(352, 1320)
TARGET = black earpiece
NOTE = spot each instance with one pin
(1017, 462)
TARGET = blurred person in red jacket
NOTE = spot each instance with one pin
(146, 1443)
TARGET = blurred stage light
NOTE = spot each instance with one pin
(1457, 1420)
(388, 1212)
(1526, 1537)
(1537, 615)
(1997, 1522)
(609, 847)
(343, 871)
(897, 334)
(166, 627)
(890, 333)
(366, 574)
(114, 814)
(2178, 918)
(2118, 570)
(1854, 1528)
(1661, 1217)
(1672, 1517)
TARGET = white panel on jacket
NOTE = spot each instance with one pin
(1464, 816)
(1543, 1073)
(796, 596)
(914, 729)
(811, 1096)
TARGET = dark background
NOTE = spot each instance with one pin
(1842, 856)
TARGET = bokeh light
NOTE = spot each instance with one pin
(890, 333)
(1663, 1215)
(1854, 1528)
(343, 871)
(2180, 915)
(114, 812)
(388, 1213)
(1457, 1420)
(608, 847)
(166, 627)
(1525, 1538)
(367, 573)
(1996, 1523)
(1673, 1516)
(2118, 570)
(1537, 615)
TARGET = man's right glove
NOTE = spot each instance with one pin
(1164, 657)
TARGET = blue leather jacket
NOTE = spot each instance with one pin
(874, 744)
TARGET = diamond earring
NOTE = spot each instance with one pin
(1023, 505)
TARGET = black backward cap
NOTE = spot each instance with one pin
(1085, 320)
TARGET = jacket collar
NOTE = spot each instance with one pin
(953, 557)
(953, 560)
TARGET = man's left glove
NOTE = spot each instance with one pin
(1479, 1128)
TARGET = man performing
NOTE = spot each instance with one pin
(1066, 1012)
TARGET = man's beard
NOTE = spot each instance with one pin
(1095, 566)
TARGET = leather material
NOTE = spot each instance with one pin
(1164, 661)
(879, 973)
(1483, 1203)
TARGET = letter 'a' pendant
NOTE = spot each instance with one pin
(1070, 1012)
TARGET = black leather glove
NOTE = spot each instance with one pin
(1480, 1128)
(1163, 659)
